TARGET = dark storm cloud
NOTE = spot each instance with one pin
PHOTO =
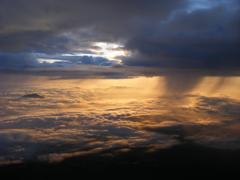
(202, 38)
(35, 23)
(173, 33)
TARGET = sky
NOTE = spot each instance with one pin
(149, 33)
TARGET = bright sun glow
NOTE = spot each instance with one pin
(47, 60)
(111, 51)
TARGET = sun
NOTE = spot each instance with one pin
(111, 51)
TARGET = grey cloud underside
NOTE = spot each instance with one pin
(20, 61)
(157, 33)
(17, 61)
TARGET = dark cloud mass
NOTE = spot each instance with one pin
(168, 33)
(17, 61)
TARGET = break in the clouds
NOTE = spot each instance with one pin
(171, 33)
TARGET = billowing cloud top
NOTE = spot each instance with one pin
(167, 33)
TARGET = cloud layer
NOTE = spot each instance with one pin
(88, 116)
(173, 33)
